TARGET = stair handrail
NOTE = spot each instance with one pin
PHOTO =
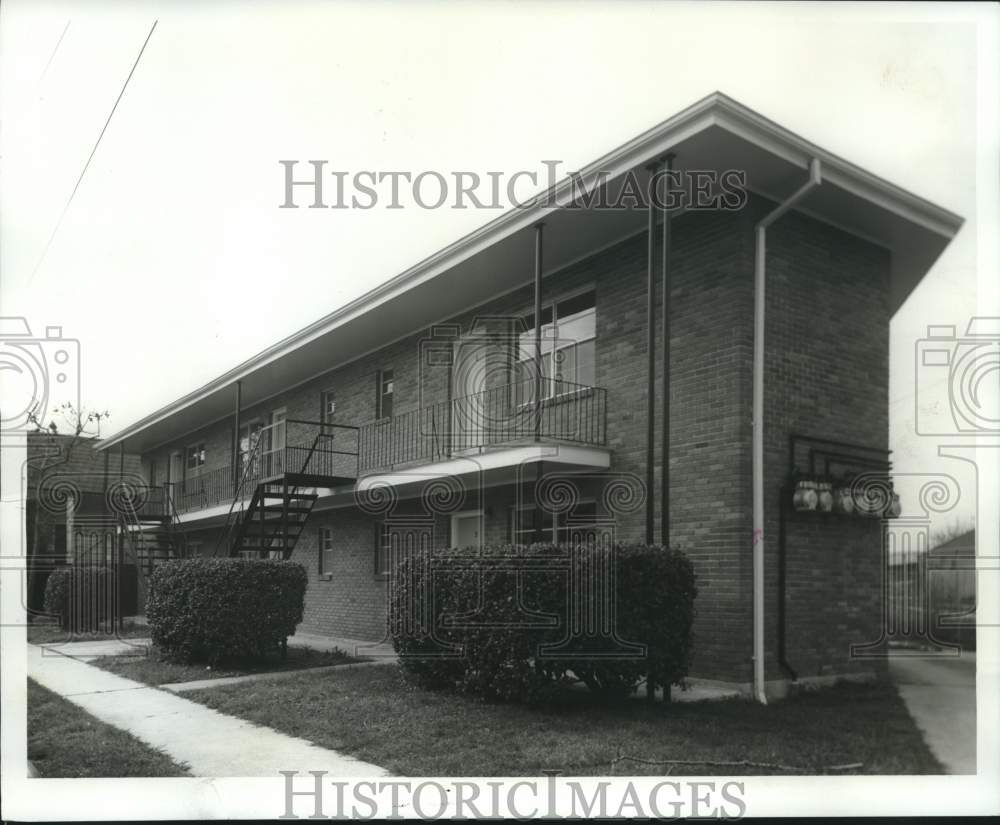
(302, 469)
(305, 464)
(176, 533)
(132, 535)
(257, 499)
(225, 538)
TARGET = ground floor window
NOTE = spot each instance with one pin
(383, 549)
(325, 552)
(530, 524)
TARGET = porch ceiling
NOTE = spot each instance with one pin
(714, 134)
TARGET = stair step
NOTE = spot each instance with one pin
(292, 495)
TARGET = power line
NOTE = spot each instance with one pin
(58, 42)
(92, 152)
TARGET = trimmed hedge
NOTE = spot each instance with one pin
(85, 598)
(212, 609)
(498, 622)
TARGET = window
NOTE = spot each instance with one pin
(195, 458)
(328, 407)
(383, 549)
(530, 524)
(384, 386)
(249, 436)
(569, 330)
(326, 552)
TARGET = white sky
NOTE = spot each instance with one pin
(174, 263)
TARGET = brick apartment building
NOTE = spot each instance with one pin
(419, 410)
(67, 516)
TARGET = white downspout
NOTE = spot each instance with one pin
(759, 282)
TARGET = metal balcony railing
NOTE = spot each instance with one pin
(309, 448)
(501, 415)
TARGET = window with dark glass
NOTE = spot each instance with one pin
(383, 549)
(326, 551)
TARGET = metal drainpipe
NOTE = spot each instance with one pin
(760, 279)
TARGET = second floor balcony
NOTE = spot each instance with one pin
(500, 416)
(319, 454)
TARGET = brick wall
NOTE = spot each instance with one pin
(827, 375)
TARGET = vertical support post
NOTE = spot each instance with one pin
(650, 369)
(236, 436)
(284, 518)
(538, 331)
(121, 461)
(665, 333)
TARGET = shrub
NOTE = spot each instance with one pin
(86, 599)
(506, 622)
(213, 609)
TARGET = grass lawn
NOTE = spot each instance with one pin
(66, 741)
(51, 633)
(155, 669)
(374, 714)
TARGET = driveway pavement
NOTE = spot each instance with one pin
(940, 693)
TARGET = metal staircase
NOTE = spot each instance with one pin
(148, 528)
(284, 482)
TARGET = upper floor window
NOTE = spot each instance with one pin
(569, 330)
(195, 458)
(328, 407)
(384, 388)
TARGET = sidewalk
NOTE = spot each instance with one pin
(208, 742)
(940, 694)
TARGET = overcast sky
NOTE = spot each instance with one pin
(174, 263)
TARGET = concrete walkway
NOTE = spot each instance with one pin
(940, 693)
(209, 743)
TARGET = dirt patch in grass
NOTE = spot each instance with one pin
(374, 714)
(65, 741)
(158, 669)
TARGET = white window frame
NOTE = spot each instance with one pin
(199, 468)
(550, 339)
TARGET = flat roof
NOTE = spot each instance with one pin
(716, 133)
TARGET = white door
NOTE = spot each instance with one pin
(466, 529)
(274, 445)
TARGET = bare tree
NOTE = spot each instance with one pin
(58, 451)
(955, 528)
